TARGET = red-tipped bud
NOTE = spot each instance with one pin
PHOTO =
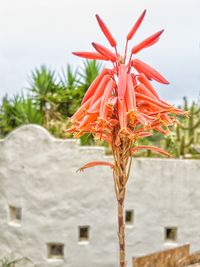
(105, 52)
(147, 42)
(136, 26)
(90, 55)
(106, 32)
(148, 71)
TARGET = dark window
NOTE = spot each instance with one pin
(83, 233)
(129, 214)
(171, 234)
(15, 214)
(55, 251)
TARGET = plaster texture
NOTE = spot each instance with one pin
(38, 174)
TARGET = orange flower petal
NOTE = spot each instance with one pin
(122, 81)
(134, 80)
(161, 130)
(136, 26)
(130, 94)
(142, 78)
(112, 101)
(122, 113)
(141, 88)
(106, 95)
(152, 101)
(90, 55)
(87, 120)
(100, 89)
(152, 73)
(105, 52)
(95, 106)
(93, 87)
(153, 148)
(96, 163)
(141, 70)
(147, 42)
(106, 32)
(81, 111)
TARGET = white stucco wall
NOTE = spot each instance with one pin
(38, 174)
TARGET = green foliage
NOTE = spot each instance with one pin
(13, 261)
(52, 99)
(69, 82)
(86, 140)
(47, 92)
(43, 87)
(186, 133)
(17, 111)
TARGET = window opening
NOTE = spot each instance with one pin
(171, 234)
(15, 214)
(55, 251)
(83, 233)
(129, 216)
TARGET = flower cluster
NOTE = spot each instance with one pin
(121, 106)
(121, 102)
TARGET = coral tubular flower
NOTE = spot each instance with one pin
(122, 114)
(153, 148)
(143, 80)
(152, 73)
(94, 85)
(106, 32)
(90, 55)
(100, 89)
(95, 163)
(130, 95)
(122, 81)
(81, 111)
(136, 26)
(142, 89)
(147, 42)
(121, 107)
(105, 52)
(106, 95)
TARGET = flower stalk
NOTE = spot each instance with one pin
(121, 107)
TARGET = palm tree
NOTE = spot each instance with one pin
(69, 83)
(52, 99)
(47, 93)
(17, 111)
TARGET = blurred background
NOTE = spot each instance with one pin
(47, 210)
(42, 82)
(35, 33)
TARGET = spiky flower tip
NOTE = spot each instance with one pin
(121, 102)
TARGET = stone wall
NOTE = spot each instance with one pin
(44, 202)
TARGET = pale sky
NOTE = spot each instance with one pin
(36, 32)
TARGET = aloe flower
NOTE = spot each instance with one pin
(121, 106)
